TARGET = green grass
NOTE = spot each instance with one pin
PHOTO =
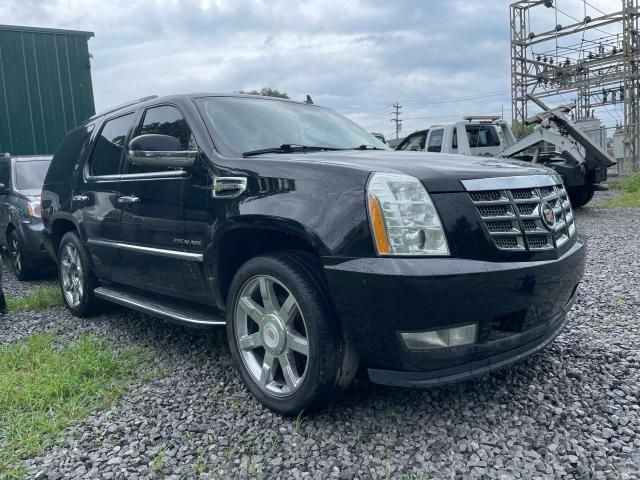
(46, 388)
(41, 298)
(157, 466)
(630, 193)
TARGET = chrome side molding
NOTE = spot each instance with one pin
(192, 257)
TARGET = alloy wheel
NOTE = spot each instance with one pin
(271, 335)
(71, 274)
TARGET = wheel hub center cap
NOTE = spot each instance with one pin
(273, 335)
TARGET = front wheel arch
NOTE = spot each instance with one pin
(239, 243)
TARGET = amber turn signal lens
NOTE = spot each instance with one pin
(379, 229)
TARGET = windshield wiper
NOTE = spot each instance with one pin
(287, 148)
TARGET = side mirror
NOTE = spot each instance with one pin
(160, 151)
(3, 189)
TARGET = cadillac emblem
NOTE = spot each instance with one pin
(548, 217)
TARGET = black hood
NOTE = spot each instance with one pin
(438, 172)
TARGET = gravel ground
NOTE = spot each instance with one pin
(569, 412)
(12, 287)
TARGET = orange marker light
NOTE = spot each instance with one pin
(377, 225)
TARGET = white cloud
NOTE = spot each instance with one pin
(356, 56)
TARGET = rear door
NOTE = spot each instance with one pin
(157, 255)
(96, 199)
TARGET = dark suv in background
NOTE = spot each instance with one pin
(317, 246)
(21, 180)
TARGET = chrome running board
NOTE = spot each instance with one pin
(176, 312)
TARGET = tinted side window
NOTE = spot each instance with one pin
(109, 146)
(71, 151)
(165, 120)
(168, 120)
(435, 141)
(454, 139)
(5, 172)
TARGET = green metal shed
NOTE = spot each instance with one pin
(45, 87)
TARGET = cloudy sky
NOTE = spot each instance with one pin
(441, 59)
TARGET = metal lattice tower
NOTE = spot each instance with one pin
(598, 72)
(631, 83)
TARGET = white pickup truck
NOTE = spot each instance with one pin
(555, 142)
(477, 135)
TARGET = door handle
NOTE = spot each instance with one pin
(80, 198)
(128, 199)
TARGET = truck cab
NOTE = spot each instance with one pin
(484, 136)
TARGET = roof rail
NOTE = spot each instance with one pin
(124, 105)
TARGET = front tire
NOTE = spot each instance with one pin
(77, 280)
(580, 196)
(20, 265)
(283, 335)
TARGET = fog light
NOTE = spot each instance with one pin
(446, 337)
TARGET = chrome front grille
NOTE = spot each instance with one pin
(524, 213)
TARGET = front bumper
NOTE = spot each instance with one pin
(519, 308)
(31, 235)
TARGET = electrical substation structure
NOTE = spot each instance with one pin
(600, 70)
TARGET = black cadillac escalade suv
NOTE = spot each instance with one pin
(318, 247)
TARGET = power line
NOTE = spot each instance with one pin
(574, 18)
(397, 107)
(456, 99)
(594, 7)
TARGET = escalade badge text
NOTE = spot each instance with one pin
(548, 217)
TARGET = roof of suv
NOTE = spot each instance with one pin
(169, 98)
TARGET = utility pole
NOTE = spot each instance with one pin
(396, 113)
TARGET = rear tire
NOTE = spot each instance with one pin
(77, 280)
(22, 269)
(580, 196)
(284, 337)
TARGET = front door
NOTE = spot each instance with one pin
(156, 255)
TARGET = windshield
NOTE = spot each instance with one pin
(250, 124)
(30, 175)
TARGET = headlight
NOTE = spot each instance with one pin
(34, 210)
(403, 219)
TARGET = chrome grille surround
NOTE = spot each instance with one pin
(511, 211)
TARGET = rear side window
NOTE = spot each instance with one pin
(72, 150)
(109, 146)
(482, 136)
(435, 141)
(165, 120)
